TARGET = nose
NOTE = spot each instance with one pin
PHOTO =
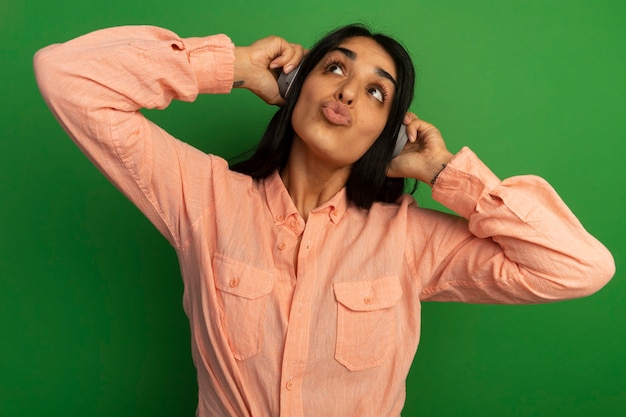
(346, 93)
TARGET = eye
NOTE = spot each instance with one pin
(378, 92)
(334, 67)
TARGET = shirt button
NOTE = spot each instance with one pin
(294, 223)
(280, 217)
(282, 246)
(289, 385)
(367, 300)
(233, 282)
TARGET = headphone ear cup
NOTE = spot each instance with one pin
(285, 82)
(401, 140)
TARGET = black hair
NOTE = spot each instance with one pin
(367, 181)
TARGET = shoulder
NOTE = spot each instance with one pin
(415, 220)
(221, 172)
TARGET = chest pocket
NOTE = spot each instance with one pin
(366, 322)
(244, 291)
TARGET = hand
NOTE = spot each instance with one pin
(257, 66)
(424, 154)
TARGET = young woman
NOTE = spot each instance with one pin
(304, 267)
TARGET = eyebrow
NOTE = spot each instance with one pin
(352, 56)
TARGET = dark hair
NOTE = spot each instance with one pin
(367, 181)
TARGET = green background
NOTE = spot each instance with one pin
(91, 316)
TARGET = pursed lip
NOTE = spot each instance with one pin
(337, 113)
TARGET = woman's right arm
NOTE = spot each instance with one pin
(96, 84)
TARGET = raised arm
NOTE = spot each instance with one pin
(517, 242)
(96, 84)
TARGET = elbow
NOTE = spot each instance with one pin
(46, 68)
(594, 273)
(575, 278)
(602, 271)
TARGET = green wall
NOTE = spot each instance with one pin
(91, 317)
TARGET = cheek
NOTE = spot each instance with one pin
(371, 128)
(297, 118)
(302, 111)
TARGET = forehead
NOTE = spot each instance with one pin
(368, 52)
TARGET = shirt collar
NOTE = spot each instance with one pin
(282, 207)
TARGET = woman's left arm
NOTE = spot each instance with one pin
(520, 242)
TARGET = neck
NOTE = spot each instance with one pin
(310, 181)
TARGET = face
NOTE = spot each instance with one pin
(345, 102)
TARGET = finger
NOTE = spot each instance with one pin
(276, 50)
(411, 130)
(423, 126)
(409, 117)
(288, 56)
(428, 133)
(296, 58)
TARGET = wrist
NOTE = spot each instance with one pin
(242, 64)
(434, 179)
(436, 167)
